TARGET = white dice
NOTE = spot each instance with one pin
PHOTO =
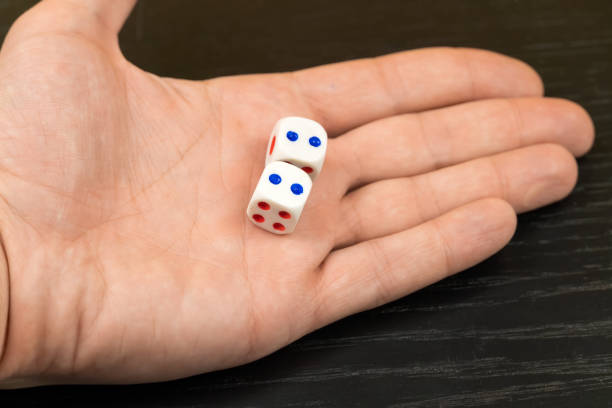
(280, 196)
(298, 141)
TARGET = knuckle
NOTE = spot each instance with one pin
(382, 273)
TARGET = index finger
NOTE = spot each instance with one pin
(349, 94)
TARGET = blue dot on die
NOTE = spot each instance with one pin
(274, 178)
(314, 141)
(297, 189)
(291, 135)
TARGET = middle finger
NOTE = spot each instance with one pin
(411, 144)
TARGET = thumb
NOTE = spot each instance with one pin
(100, 19)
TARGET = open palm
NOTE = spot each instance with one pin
(129, 256)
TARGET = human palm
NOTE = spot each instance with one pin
(129, 254)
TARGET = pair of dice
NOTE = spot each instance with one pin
(294, 158)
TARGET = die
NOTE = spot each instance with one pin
(298, 141)
(278, 199)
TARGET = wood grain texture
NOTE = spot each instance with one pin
(530, 327)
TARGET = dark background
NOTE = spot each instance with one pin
(531, 327)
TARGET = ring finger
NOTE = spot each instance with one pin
(526, 178)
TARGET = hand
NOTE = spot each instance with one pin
(123, 195)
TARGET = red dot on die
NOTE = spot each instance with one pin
(258, 218)
(272, 144)
(307, 169)
(284, 214)
(278, 226)
(263, 205)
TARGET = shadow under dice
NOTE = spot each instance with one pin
(298, 141)
(279, 198)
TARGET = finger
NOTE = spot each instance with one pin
(411, 144)
(110, 13)
(345, 95)
(378, 271)
(526, 178)
(101, 19)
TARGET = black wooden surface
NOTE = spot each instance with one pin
(530, 327)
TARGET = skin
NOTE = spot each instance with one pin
(127, 255)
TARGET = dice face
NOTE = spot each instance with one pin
(298, 141)
(278, 199)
